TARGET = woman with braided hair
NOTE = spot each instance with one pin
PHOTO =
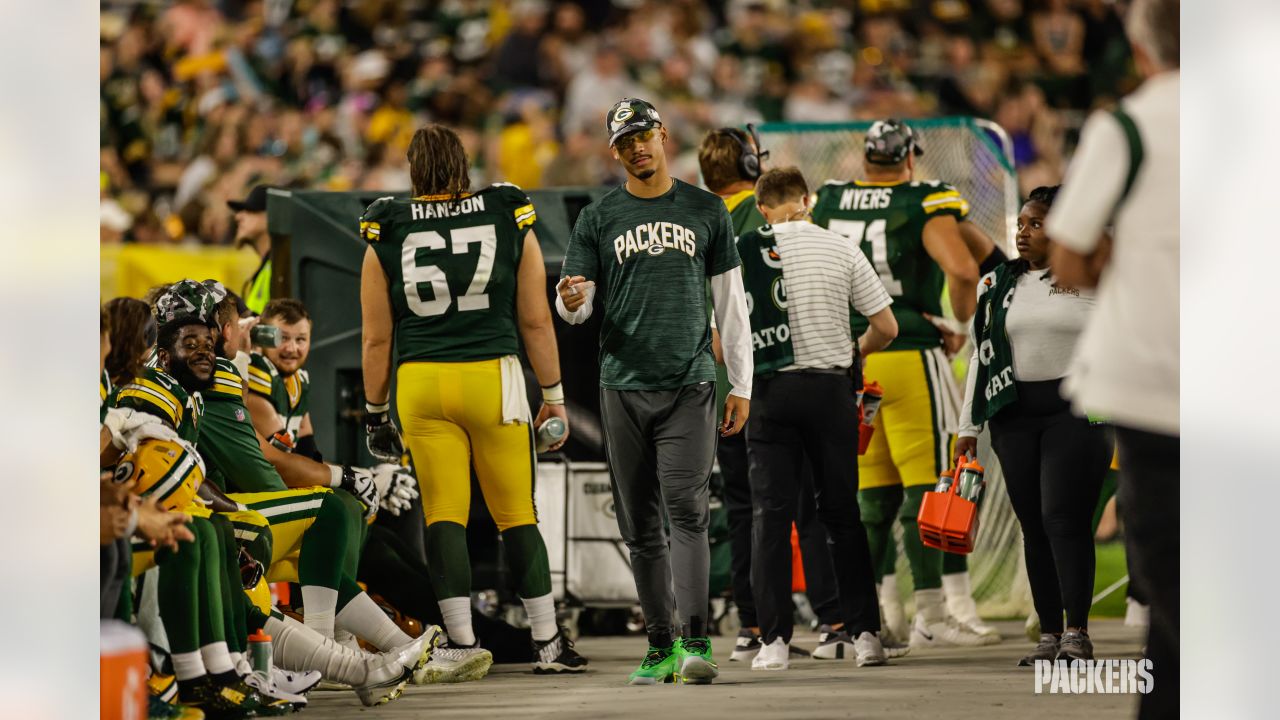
(1025, 331)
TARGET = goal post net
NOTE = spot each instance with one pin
(976, 157)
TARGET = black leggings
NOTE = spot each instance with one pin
(1054, 464)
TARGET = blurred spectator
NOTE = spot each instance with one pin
(201, 100)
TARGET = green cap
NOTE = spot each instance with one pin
(630, 115)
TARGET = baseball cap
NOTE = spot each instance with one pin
(255, 202)
(889, 142)
(630, 115)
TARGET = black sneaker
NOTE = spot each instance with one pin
(746, 646)
(1075, 645)
(557, 656)
(1046, 649)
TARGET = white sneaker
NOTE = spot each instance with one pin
(297, 682)
(893, 615)
(1032, 627)
(944, 633)
(1136, 614)
(869, 651)
(893, 647)
(454, 664)
(745, 647)
(961, 606)
(774, 656)
(833, 644)
(269, 690)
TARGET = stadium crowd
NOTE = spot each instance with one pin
(203, 99)
(214, 485)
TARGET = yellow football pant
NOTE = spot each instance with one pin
(288, 514)
(913, 430)
(451, 415)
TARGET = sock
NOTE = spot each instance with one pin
(542, 616)
(365, 620)
(323, 556)
(178, 595)
(929, 605)
(187, 665)
(217, 659)
(449, 562)
(239, 662)
(457, 620)
(233, 597)
(660, 639)
(319, 606)
(954, 563)
(527, 557)
(297, 647)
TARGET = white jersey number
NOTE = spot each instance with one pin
(414, 274)
(873, 232)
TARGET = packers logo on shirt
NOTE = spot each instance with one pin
(779, 292)
(771, 258)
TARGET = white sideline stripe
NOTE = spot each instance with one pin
(1110, 589)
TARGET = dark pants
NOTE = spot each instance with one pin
(115, 563)
(1148, 502)
(794, 415)
(660, 446)
(819, 572)
(1054, 463)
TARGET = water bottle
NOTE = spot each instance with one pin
(260, 652)
(971, 480)
(872, 394)
(944, 481)
(551, 432)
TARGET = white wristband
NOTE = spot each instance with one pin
(335, 476)
(374, 409)
(553, 395)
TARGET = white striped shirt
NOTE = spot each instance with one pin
(824, 274)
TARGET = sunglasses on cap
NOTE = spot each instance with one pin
(627, 142)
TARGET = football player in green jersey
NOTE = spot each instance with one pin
(910, 231)
(650, 248)
(456, 278)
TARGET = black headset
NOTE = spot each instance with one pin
(748, 159)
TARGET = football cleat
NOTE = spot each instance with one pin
(557, 655)
(220, 702)
(452, 663)
(384, 682)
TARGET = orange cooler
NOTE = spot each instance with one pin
(123, 666)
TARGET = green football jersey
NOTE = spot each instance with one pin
(155, 391)
(228, 441)
(887, 220)
(650, 259)
(290, 395)
(105, 392)
(745, 216)
(451, 265)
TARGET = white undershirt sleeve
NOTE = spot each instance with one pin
(729, 301)
(580, 315)
(1094, 181)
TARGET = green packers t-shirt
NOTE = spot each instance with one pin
(650, 258)
(228, 442)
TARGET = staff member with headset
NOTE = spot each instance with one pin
(801, 282)
(1025, 330)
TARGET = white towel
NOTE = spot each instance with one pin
(515, 402)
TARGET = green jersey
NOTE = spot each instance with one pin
(451, 265)
(155, 391)
(228, 442)
(887, 220)
(650, 259)
(105, 392)
(290, 395)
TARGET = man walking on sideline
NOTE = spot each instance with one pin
(802, 281)
(649, 247)
(1126, 365)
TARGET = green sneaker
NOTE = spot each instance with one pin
(659, 666)
(694, 665)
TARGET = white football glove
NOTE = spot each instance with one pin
(359, 482)
(396, 487)
(128, 427)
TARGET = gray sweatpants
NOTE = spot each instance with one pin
(660, 445)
